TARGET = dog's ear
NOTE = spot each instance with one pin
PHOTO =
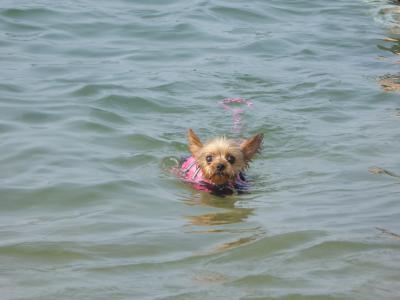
(194, 142)
(251, 146)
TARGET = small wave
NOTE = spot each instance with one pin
(241, 14)
(29, 13)
(95, 89)
(134, 104)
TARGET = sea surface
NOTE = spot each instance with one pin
(96, 98)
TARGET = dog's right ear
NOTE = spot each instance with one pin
(194, 143)
(251, 146)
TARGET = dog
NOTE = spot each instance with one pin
(218, 165)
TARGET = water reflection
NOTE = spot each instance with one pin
(239, 242)
(231, 214)
(379, 170)
(394, 47)
(390, 82)
(218, 222)
(391, 17)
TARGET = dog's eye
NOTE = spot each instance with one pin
(209, 158)
(231, 159)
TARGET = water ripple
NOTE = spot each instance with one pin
(96, 100)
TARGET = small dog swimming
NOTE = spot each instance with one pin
(218, 165)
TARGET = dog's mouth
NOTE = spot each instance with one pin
(220, 173)
(220, 177)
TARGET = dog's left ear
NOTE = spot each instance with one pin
(251, 146)
(194, 143)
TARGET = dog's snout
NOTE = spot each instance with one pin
(220, 167)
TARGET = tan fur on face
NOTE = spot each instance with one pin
(220, 149)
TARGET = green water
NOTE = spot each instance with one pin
(95, 96)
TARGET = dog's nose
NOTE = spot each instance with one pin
(220, 167)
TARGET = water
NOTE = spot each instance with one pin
(96, 98)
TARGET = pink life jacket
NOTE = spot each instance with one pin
(191, 172)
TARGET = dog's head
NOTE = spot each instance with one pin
(221, 159)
